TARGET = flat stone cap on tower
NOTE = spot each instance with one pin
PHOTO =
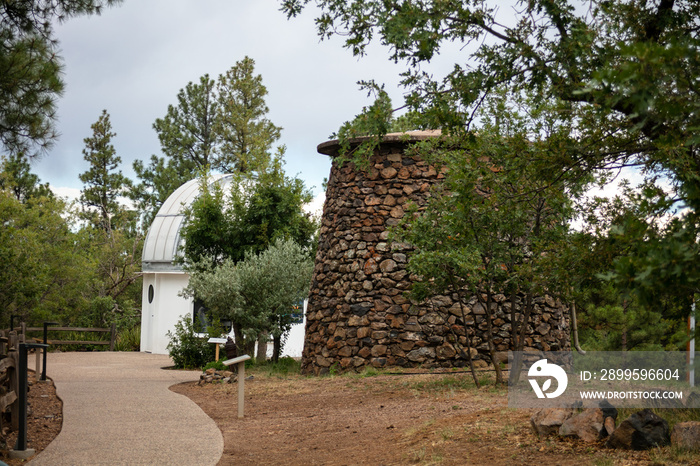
(332, 147)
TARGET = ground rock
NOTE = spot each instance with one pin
(686, 435)
(212, 375)
(693, 401)
(480, 364)
(548, 421)
(610, 416)
(641, 431)
(587, 425)
(609, 425)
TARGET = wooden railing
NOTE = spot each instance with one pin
(13, 383)
(9, 381)
(112, 331)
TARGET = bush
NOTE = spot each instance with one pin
(218, 365)
(128, 340)
(186, 348)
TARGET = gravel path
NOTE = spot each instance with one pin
(117, 409)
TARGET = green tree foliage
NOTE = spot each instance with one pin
(371, 124)
(246, 133)
(635, 316)
(187, 348)
(115, 288)
(16, 176)
(104, 183)
(157, 180)
(257, 294)
(30, 69)
(115, 247)
(57, 268)
(216, 125)
(493, 226)
(186, 133)
(622, 73)
(42, 264)
(249, 218)
(207, 231)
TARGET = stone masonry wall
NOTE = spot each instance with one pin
(358, 313)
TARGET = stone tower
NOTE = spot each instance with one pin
(358, 312)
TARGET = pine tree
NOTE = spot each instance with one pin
(217, 125)
(104, 183)
(30, 69)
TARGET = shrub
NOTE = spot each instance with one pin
(128, 340)
(186, 348)
(218, 365)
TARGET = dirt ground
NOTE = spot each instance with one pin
(44, 420)
(436, 419)
(389, 420)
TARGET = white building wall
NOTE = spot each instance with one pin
(166, 308)
(161, 314)
(295, 341)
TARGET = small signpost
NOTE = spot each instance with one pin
(240, 360)
(217, 341)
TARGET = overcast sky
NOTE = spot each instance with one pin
(133, 59)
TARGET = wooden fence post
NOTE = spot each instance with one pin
(37, 365)
(113, 338)
(13, 353)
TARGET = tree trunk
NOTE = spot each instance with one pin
(468, 353)
(518, 337)
(241, 344)
(469, 346)
(489, 336)
(623, 342)
(262, 348)
(276, 348)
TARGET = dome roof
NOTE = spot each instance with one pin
(163, 240)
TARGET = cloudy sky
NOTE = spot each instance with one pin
(133, 59)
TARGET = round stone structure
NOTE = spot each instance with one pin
(359, 313)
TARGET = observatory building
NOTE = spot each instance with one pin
(163, 277)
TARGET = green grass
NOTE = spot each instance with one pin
(281, 368)
(673, 455)
(218, 365)
(672, 416)
(367, 371)
(447, 434)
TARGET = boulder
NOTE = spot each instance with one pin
(591, 425)
(548, 421)
(641, 431)
(588, 425)
(609, 425)
(610, 416)
(686, 435)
